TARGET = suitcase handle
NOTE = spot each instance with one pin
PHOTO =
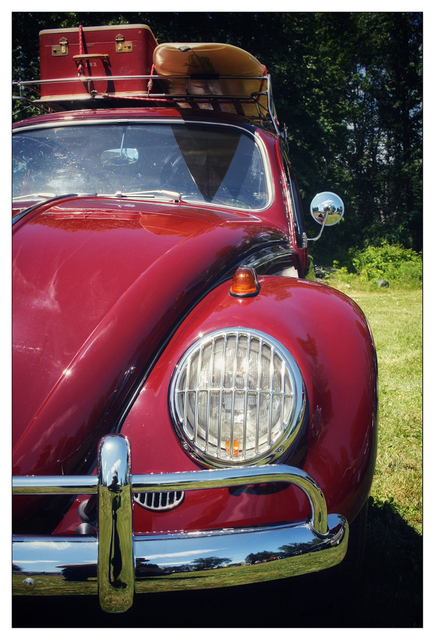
(95, 56)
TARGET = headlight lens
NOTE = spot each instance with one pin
(237, 397)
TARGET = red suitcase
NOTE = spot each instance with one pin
(95, 52)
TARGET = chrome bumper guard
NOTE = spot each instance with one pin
(117, 564)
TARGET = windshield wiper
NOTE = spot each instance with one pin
(48, 196)
(31, 196)
(152, 193)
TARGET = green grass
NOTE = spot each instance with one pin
(395, 318)
(391, 589)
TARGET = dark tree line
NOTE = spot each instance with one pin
(347, 85)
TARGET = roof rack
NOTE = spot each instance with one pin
(200, 92)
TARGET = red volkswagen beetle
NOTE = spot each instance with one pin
(185, 401)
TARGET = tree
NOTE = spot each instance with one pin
(385, 120)
(348, 86)
(210, 562)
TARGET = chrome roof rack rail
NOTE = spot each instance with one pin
(266, 112)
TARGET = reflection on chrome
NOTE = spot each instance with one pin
(117, 564)
(115, 522)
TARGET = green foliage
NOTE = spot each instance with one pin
(400, 267)
(391, 262)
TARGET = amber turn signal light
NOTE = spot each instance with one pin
(245, 283)
(236, 447)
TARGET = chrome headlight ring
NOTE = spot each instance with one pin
(237, 397)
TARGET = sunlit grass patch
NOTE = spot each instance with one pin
(395, 318)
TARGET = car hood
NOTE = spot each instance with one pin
(98, 286)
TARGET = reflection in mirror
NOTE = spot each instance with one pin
(327, 208)
(115, 157)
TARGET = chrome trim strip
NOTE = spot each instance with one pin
(42, 485)
(120, 562)
(263, 259)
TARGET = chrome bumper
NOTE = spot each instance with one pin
(118, 564)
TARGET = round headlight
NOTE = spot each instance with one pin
(237, 397)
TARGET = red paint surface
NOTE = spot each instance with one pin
(100, 284)
(328, 336)
(97, 285)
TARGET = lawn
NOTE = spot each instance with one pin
(391, 594)
(395, 318)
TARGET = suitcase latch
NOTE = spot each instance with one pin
(60, 49)
(122, 46)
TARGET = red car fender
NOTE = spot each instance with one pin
(329, 338)
(77, 355)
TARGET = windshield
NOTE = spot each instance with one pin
(207, 164)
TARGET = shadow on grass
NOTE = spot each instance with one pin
(388, 594)
(392, 581)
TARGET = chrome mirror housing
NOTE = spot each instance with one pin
(327, 209)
